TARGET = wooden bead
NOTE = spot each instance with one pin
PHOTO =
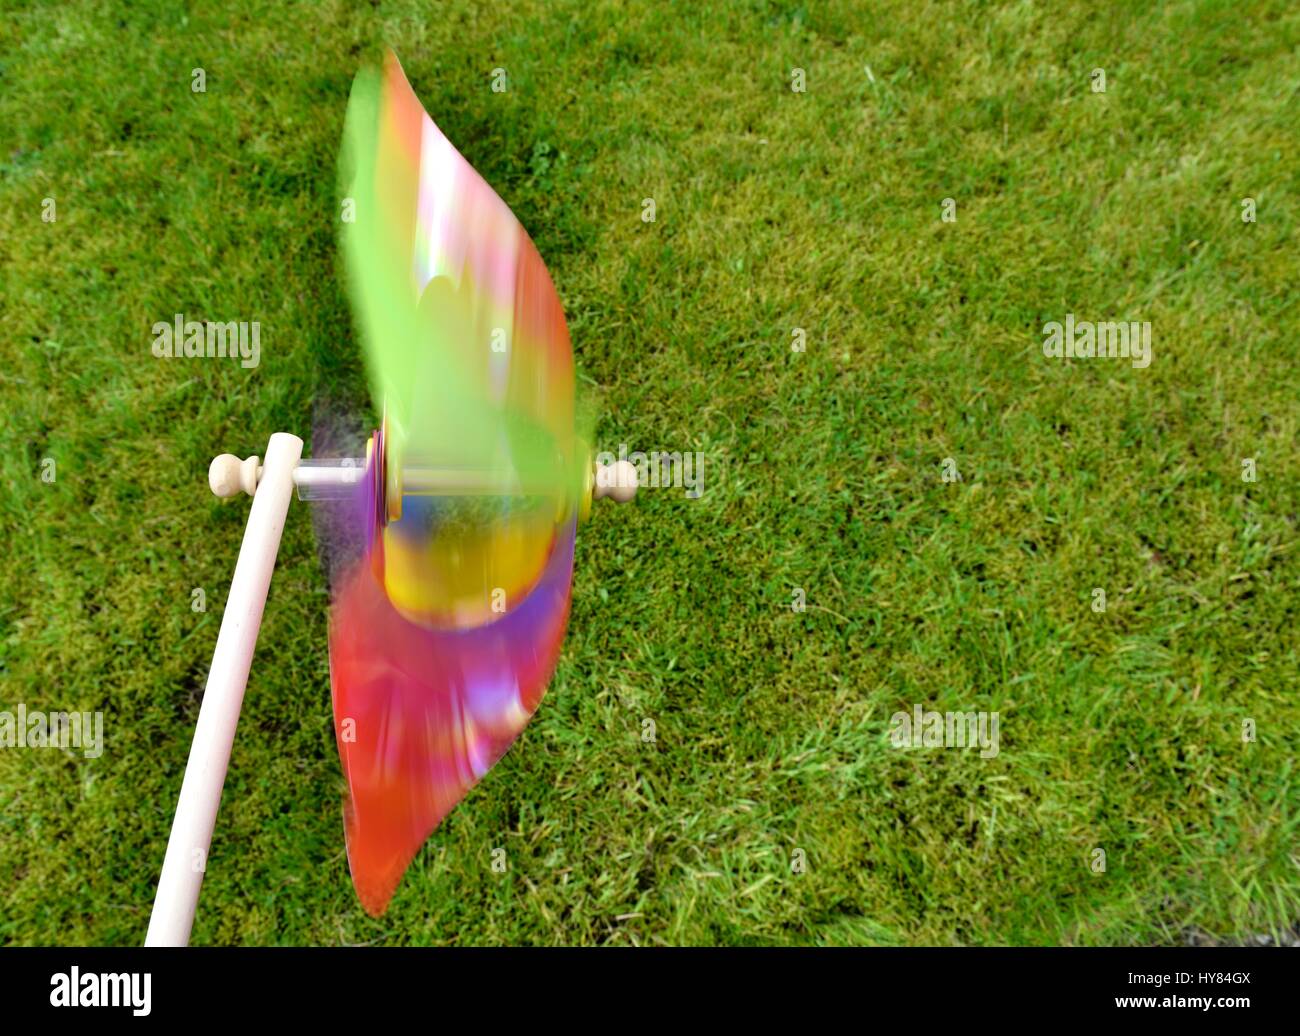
(618, 481)
(227, 475)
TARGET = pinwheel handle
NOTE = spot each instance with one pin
(223, 695)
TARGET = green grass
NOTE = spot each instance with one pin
(775, 210)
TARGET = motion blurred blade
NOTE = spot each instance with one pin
(446, 626)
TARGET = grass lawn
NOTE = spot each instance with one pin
(1120, 730)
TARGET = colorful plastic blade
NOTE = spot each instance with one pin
(447, 624)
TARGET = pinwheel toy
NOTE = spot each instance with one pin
(449, 538)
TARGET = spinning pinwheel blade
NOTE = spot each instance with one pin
(450, 542)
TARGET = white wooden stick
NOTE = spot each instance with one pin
(196, 812)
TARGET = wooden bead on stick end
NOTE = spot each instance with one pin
(617, 481)
(227, 475)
